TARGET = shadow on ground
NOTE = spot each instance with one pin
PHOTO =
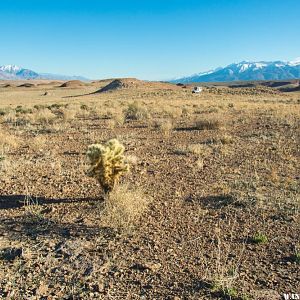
(17, 201)
(214, 202)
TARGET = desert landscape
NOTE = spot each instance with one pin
(209, 208)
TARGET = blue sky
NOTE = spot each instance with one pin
(145, 39)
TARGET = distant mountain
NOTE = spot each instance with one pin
(13, 72)
(262, 70)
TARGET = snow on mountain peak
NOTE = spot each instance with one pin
(10, 68)
(249, 70)
(294, 62)
(245, 65)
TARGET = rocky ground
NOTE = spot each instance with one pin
(223, 221)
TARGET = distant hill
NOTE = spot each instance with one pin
(13, 72)
(262, 70)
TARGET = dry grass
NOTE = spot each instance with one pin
(124, 207)
(38, 143)
(208, 123)
(200, 150)
(69, 114)
(7, 141)
(118, 117)
(132, 160)
(136, 111)
(44, 117)
(226, 139)
(164, 125)
(10, 117)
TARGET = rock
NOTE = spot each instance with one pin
(10, 253)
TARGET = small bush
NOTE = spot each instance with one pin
(135, 111)
(38, 143)
(118, 117)
(296, 257)
(107, 163)
(23, 110)
(259, 238)
(3, 112)
(7, 141)
(199, 149)
(39, 106)
(10, 117)
(124, 207)
(226, 139)
(212, 123)
(165, 126)
(229, 292)
(69, 114)
(44, 116)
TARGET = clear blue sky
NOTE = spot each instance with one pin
(155, 39)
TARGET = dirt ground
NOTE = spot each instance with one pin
(223, 219)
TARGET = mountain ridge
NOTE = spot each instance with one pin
(13, 72)
(247, 70)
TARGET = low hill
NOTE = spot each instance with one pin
(133, 83)
(72, 83)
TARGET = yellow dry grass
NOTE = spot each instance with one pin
(124, 207)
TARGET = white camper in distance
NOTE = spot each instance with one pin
(197, 89)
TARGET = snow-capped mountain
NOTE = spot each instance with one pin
(13, 72)
(10, 69)
(245, 70)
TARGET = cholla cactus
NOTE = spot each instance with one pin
(107, 163)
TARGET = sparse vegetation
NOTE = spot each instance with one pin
(181, 226)
(259, 238)
(124, 207)
(164, 125)
(208, 123)
(135, 111)
(44, 117)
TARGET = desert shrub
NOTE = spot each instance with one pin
(38, 143)
(164, 125)
(56, 106)
(69, 114)
(23, 110)
(7, 141)
(131, 160)
(44, 116)
(111, 123)
(197, 149)
(186, 112)
(23, 119)
(107, 163)
(3, 112)
(172, 112)
(118, 117)
(226, 139)
(259, 238)
(39, 106)
(124, 207)
(10, 117)
(208, 123)
(296, 257)
(135, 111)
